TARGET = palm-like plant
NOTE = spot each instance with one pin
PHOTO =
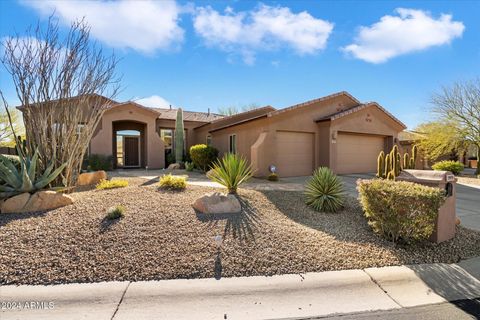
(231, 171)
(25, 179)
(324, 191)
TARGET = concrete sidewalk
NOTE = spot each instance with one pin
(278, 297)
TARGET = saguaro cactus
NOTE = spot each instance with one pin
(406, 161)
(413, 159)
(388, 165)
(179, 132)
(381, 165)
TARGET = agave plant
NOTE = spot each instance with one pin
(25, 179)
(231, 171)
(324, 191)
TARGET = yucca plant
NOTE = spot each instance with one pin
(231, 171)
(324, 191)
(25, 179)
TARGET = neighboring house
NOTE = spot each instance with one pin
(336, 131)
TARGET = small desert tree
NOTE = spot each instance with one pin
(460, 104)
(438, 138)
(179, 136)
(64, 85)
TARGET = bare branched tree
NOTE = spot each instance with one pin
(460, 104)
(231, 110)
(64, 86)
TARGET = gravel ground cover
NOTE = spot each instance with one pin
(162, 237)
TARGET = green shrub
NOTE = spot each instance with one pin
(203, 156)
(170, 158)
(454, 167)
(95, 162)
(324, 191)
(115, 212)
(272, 177)
(399, 209)
(231, 171)
(189, 166)
(170, 182)
(111, 184)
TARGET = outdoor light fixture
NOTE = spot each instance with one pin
(272, 168)
(218, 241)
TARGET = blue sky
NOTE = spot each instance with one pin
(212, 54)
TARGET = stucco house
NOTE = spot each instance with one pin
(336, 131)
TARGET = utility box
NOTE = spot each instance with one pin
(445, 180)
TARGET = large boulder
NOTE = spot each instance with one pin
(217, 202)
(90, 178)
(15, 203)
(174, 166)
(39, 201)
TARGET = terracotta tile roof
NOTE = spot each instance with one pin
(307, 103)
(343, 113)
(171, 114)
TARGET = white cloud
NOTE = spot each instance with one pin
(145, 26)
(410, 31)
(154, 102)
(265, 28)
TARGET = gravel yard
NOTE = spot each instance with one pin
(161, 237)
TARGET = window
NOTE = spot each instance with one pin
(209, 140)
(167, 136)
(232, 145)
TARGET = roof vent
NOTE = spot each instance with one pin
(208, 111)
(170, 107)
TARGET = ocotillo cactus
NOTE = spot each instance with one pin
(179, 132)
(381, 165)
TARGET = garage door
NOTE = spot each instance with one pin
(358, 153)
(294, 153)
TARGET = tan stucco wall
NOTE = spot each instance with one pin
(101, 143)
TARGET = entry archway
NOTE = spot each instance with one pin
(129, 145)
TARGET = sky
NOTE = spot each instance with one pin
(211, 54)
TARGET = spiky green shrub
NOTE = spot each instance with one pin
(25, 178)
(231, 171)
(203, 156)
(400, 210)
(170, 182)
(454, 167)
(324, 191)
(115, 212)
(111, 184)
(179, 136)
(189, 166)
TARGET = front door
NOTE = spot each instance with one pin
(131, 151)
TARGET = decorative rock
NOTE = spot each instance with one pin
(47, 200)
(457, 221)
(174, 166)
(217, 202)
(39, 201)
(89, 178)
(15, 203)
(209, 173)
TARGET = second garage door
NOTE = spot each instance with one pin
(295, 153)
(358, 153)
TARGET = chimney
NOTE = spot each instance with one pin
(170, 107)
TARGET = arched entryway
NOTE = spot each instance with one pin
(129, 145)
